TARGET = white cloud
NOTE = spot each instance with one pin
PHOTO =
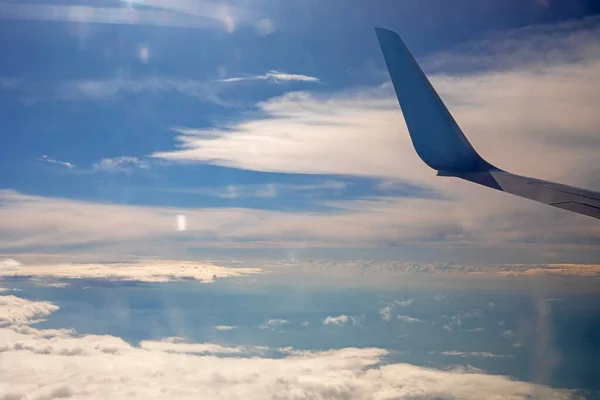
(57, 162)
(463, 354)
(438, 297)
(386, 313)
(9, 263)
(15, 310)
(507, 334)
(273, 77)
(404, 303)
(274, 324)
(141, 271)
(358, 320)
(447, 328)
(121, 164)
(179, 345)
(225, 327)
(408, 320)
(46, 283)
(476, 330)
(55, 363)
(340, 320)
(30, 222)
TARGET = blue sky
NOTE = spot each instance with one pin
(271, 127)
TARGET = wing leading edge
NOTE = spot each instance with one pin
(441, 144)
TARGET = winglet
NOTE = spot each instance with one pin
(435, 134)
(442, 145)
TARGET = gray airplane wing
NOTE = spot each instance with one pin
(442, 145)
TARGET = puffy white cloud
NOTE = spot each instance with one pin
(386, 313)
(225, 327)
(15, 310)
(141, 271)
(507, 334)
(404, 303)
(274, 324)
(56, 363)
(408, 320)
(340, 320)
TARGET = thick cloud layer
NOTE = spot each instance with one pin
(143, 271)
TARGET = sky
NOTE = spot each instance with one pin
(273, 131)
(221, 200)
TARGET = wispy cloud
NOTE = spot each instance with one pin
(273, 77)
(57, 162)
(122, 164)
(258, 190)
(483, 354)
(408, 320)
(107, 89)
(204, 14)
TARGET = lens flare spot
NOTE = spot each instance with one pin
(181, 223)
(143, 54)
(229, 23)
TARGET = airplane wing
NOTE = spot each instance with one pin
(442, 145)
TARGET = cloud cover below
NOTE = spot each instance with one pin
(65, 364)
